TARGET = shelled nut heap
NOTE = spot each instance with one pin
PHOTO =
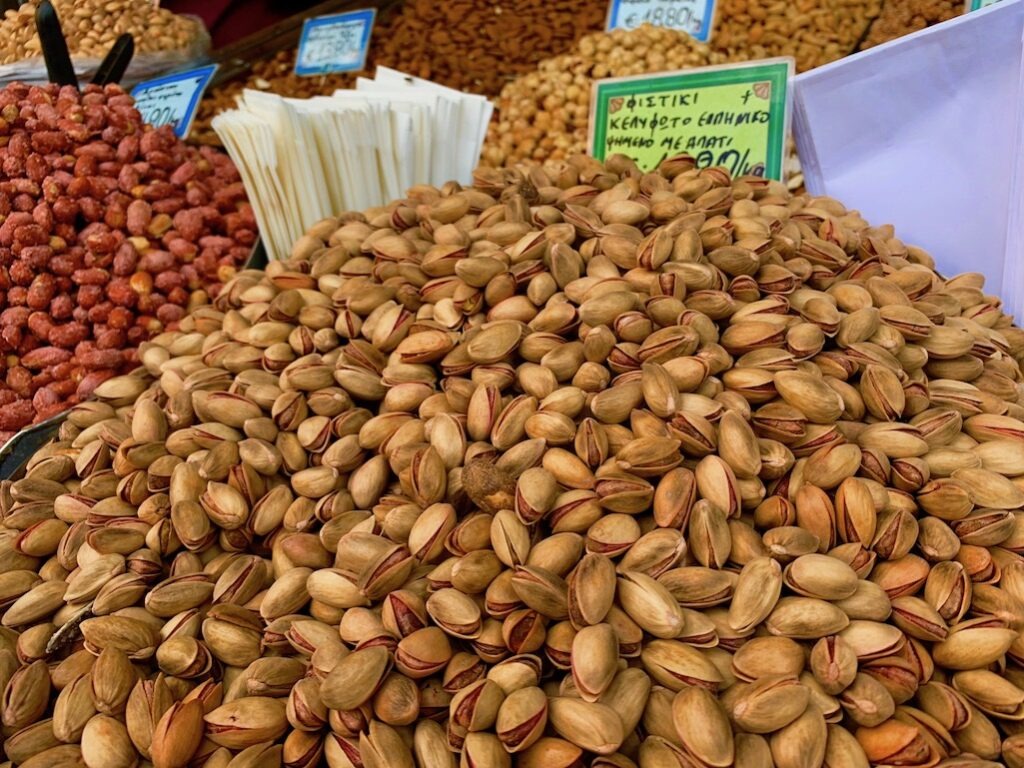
(589, 467)
(110, 230)
(91, 27)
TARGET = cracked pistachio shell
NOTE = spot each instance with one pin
(769, 703)
(476, 706)
(355, 678)
(650, 605)
(594, 661)
(820, 576)
(802, 742)
(522, 719)
(805, 618)
(756, 593)
(591, 590)
(703, 726)
(589, 725)
(419, 654)
(246, 721)
(833, 664)
(675, 665)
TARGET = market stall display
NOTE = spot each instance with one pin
(471, 46)
(273, 75)
(517, 469)
(111, 230)
(480, 47)
(163, 40)
(544, 114)
(302, 160)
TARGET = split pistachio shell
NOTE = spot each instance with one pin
(589, 725)
(702, 726)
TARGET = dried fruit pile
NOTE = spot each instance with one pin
(110, 230)
(585, 468)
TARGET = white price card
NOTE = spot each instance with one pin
(335, 43)
(691, 16)
(172, 99)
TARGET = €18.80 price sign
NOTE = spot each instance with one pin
(693, 17)
(335, 43)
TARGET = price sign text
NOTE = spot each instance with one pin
(335, 43)
(693, 17)
(735, 116)
(172, 99)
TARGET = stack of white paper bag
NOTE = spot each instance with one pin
(927, 133)
(303, 160)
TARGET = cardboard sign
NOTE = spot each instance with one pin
(693, 17)
(335, 43)
(172, 99)
(736, 116)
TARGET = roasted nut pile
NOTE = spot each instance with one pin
(901, 17)
(814, 32)
(110, 230)
(543, 115)
(92, 26)
(478, 47)
(586, 468)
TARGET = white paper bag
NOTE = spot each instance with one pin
(925, 133)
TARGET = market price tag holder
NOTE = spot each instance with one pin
(335, 43)
(736, 116)
(694, 17)
(173, 99)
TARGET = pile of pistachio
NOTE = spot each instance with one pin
(584, 467)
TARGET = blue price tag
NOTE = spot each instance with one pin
(693, 17)
(172, 99)
(977, 5)
(335, 43)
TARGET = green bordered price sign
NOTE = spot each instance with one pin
(172, 99)
(736, 116)
(691, 16)
(977, 5)
(335, 43)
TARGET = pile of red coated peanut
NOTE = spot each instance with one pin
(109, 231)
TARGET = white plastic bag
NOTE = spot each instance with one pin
(925, 132)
